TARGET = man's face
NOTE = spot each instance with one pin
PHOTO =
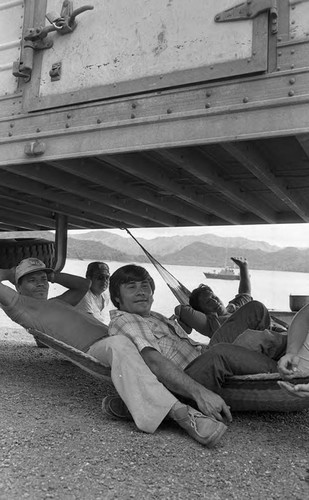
(34, 285)
(210, 303)
(99, 281)
(136, 297)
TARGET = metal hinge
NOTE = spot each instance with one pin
(249, 10)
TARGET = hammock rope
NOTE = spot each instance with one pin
(181, 293)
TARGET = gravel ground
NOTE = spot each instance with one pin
(56, 443)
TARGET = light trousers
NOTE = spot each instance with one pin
(146, 398)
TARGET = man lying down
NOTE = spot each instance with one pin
(147, 399)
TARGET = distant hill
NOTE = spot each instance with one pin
(181, 250)
(94, 250)
(287, 259)
(166, 245)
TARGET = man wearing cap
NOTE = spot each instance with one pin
(147, 399)
(96, 300)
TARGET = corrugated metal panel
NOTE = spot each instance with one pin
(11, 25)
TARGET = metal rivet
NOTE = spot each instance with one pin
(292, 81)
(279, 54)
(291, 93)
(10, 134)
(133, 105)
(67, 125)
(211, 67)
(169, 111)
(11, 125)
(293, 51)
(161, 76)
(278, 69)
(248, 61)
(208, 93)
(245, 99)
(293, 22)
(38, 130)
(98, 120)
(279, 39)
(207, 105)
(69, 115)
(292, 66)
(133, 115)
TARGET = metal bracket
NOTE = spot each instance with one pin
(36, 38)
(35, 148)
(65, 23)
(55, 72)
(249, 10)
(21, 71)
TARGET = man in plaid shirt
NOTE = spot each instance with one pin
(172, 355)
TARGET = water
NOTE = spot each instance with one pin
(270, 287)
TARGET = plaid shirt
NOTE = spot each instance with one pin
(156, 331)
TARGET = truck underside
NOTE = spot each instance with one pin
(227, 148)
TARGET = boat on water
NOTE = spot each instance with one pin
(226, 273)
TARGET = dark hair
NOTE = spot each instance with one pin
(125, 274)
(194, 299)
(96, 266)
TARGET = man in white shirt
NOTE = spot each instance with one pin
(96, 300)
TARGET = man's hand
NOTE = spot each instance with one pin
(288, 364)
(298, 390)
(213, 405)
(240, 261)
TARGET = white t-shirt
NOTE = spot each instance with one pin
(95, 305)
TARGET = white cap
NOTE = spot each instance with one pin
(28, 266)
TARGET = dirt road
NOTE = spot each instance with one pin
(56, 443)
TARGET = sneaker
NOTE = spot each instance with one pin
(205, 430)
(113, 406)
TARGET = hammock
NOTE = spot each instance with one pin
(259, 392)
(181, 293)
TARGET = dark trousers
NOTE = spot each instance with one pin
(223, 359)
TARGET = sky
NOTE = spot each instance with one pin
(282, 235)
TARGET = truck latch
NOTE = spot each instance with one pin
(249, 10)
(37, 38)
(63, 24)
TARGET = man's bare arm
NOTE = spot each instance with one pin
(245, 282)
(177, 381)
(7, 293)
(77, 287)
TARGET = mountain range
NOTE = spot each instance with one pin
(205, 250)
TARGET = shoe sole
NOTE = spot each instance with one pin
(107, 410)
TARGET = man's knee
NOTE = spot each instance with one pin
(256, 306)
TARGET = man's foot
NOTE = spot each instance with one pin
(203, 429)
(113, 406)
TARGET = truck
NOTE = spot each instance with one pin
(151, 113)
